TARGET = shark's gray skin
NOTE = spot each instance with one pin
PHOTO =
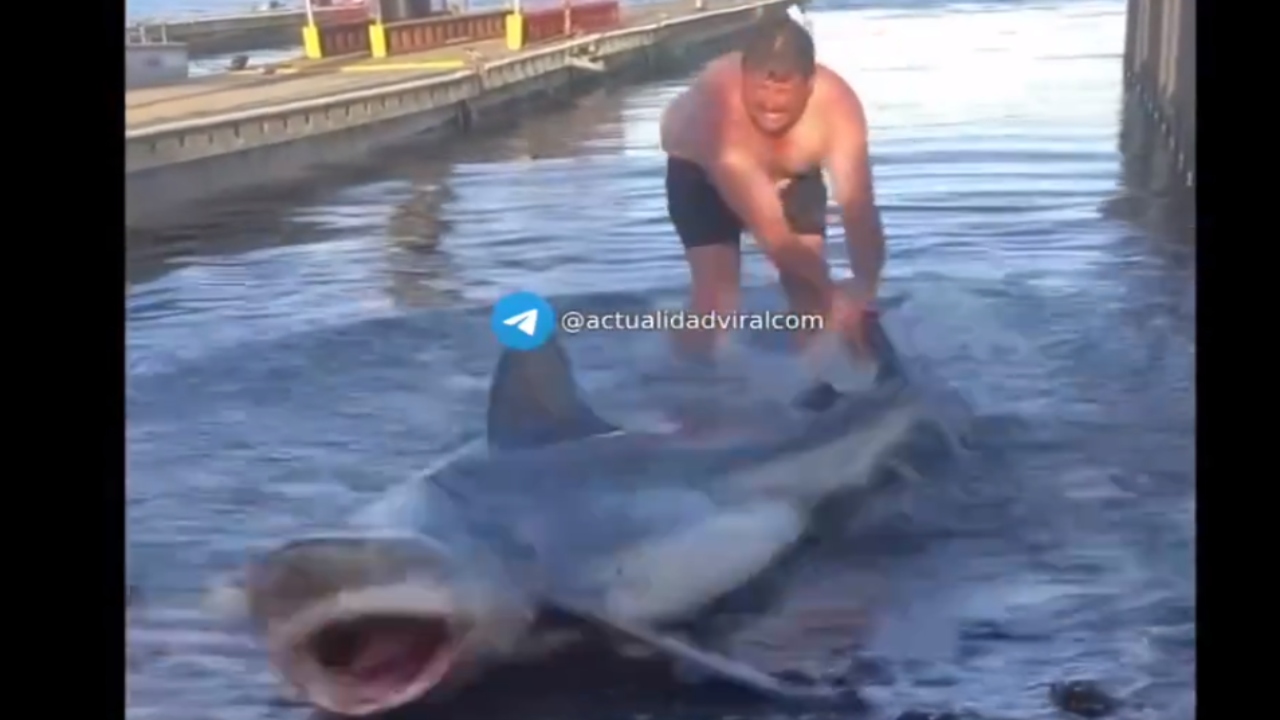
(564, 516)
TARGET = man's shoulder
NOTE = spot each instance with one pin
(836, 98)
(720, 67)
(832, 83)
(709, 86)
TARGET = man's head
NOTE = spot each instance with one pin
(778, 67)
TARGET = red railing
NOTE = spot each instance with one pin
(340, 12)
(596, 16)
(343, 26)
(544, 25)
(557, 22)
(345, 39)
(409, 36)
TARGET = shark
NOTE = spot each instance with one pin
(561, 526)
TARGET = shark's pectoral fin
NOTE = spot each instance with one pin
(710, 664)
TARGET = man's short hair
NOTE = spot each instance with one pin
(778, 45)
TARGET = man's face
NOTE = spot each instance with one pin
(775, 102)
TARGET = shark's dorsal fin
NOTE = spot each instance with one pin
(534, 401)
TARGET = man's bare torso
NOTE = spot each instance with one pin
(709, 116)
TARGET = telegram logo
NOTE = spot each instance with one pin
(523, 321)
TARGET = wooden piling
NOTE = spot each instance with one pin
(1158, 133)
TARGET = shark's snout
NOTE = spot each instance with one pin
(363, 625)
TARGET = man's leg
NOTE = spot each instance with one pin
(716, 277)
(711, 234)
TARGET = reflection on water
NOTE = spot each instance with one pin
(296, 352)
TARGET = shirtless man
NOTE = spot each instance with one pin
(746, 144)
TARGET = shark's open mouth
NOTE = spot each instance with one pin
(361, 665)
(381, 649)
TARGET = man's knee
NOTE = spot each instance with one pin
(715, 270)
(714, 289)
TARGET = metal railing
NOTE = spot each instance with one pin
(146, 34)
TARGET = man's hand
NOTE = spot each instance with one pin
(845, 339)
(850, 312)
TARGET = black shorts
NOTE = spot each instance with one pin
(702, 217)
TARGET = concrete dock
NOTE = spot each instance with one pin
(193, 141)
(1158, 135)
(219, 34)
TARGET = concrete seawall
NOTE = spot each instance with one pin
(174, 162)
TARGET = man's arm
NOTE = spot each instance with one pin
(849, 164)
(749, 191)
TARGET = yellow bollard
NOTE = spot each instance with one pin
(311, 42)
(515, 30)
(377, 39)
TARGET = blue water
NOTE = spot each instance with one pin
(293, 355)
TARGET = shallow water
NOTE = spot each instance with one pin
(298, 353)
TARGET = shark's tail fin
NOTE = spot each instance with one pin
(534, 400)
